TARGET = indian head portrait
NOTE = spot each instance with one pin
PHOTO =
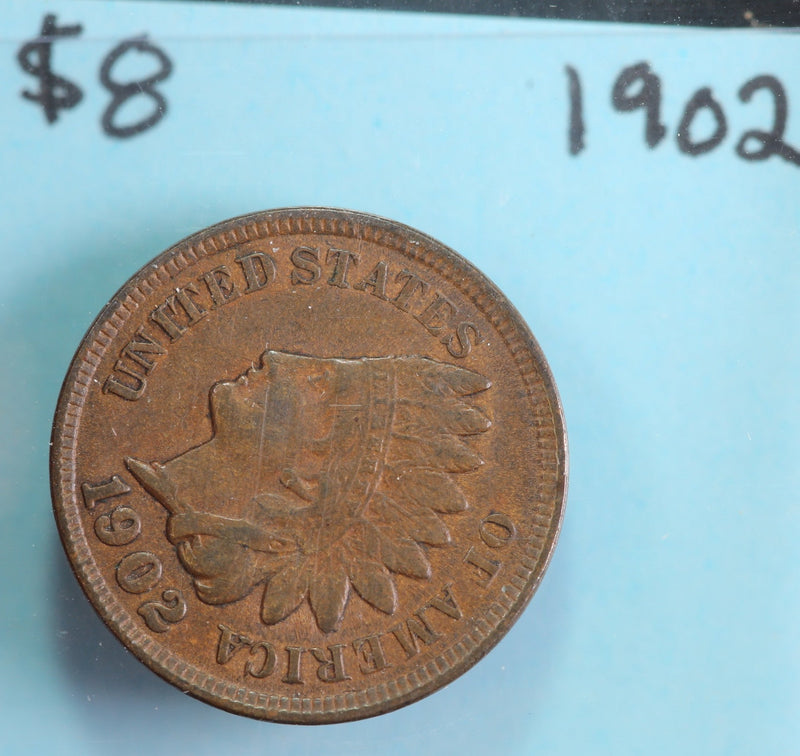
(322, 477)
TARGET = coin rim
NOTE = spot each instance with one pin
(459, 264)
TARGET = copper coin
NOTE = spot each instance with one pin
(309, 465)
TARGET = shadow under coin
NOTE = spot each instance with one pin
(100, 671)
(109, 687)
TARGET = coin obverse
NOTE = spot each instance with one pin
(309, 465)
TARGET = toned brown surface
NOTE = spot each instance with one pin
(309, 465)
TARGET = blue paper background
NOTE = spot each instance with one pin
(662, 288)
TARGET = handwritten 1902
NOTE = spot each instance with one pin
(638, 88)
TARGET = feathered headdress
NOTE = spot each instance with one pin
(400, 431)
(389, 434)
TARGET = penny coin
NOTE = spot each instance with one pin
(309, 465)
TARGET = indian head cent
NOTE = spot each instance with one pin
(309, 465)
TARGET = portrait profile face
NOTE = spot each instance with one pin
(286, 428)
(278, 414)
(316, 465)
(241, 403)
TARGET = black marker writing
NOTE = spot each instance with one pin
(123, 91)
(577, 129)
(36, 58)
(771, 141)
(648, 97)
(701, 99)
(637, 87)
(56, 93)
